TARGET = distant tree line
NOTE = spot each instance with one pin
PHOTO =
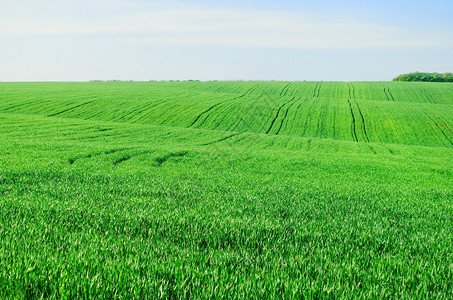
(428, 77)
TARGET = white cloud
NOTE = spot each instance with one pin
(219, 27)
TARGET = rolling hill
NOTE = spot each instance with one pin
(226, 189)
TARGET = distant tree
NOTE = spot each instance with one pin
(426, 77)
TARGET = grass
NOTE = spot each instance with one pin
(226, 190)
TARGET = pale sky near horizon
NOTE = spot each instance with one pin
(79, 40)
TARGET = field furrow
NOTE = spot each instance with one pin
(353, 125)
(443, 121)
(393, 110)
(442, 131)
(363, 122)
(284, 117)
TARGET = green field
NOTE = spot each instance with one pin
(226, 190)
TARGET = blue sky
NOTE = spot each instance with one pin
(78, 40)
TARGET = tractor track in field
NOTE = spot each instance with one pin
(372, 149)
(284, 90)
(316, 89)
(284, 117)
(390, 150)
(390, 94)
(351, 91)
(215, 105)
(319, 89)
(247, 92)
(205, 112)
(69, 109)
(354, 133)
(387, 96)
(426, 94)
(386, 93)
(222, 117)
(363, 121)
(132, 113)
(449, 128)
(207, 117)
(276, 115)
(221, 103)
(441, 130)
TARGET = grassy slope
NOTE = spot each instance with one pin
(226, 189)
(402, 113)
